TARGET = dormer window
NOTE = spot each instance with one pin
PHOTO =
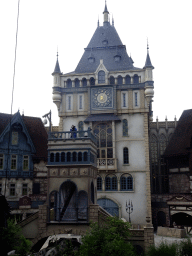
(91, 60)
(117, 58)
(101, 77)
(105, 42)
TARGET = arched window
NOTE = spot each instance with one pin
(74, 156)
(112, 80)
(80, 157)
(69, 83)
(68, 157)
(84, 81)
(80, 127)
(135, 79)
(126, 182)
(68, 201)
(120, 80)
(125, 155)
(62, 156)
(82, 205)
(125, 127)
(99, 183)
(103, 133)
(128, 80)
(162, 144)
(111, 182)
(57, 157)
(77, 84)
(101, 77)
(52, 157)
(85, 156)
(92, 81)
(153, 148)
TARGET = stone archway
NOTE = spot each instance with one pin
(182, 219)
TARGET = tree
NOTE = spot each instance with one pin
(12, 239)
(109, 239)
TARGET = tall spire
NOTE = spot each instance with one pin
(112, 21)
(106, 13)
(148, 60)
(57, 67)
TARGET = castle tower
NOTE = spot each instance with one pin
(107, 93)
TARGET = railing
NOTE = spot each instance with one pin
(72, 135)
(107, 163)
(71, 214)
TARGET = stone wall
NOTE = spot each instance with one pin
(179, 183)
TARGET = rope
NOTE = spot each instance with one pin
(8, 149)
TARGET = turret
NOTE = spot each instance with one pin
(56, 83)
(106, 14)
(148, 67)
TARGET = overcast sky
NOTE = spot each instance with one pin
(45, 25)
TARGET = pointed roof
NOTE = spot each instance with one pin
(33, 126)
(148, 60)
(105, 10)
(57, 67)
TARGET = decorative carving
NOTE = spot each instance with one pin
(54, 172)
(74, 171)
(63, 172)
(83, 171)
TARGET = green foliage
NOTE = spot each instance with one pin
(163, 250)
(12, 239)
(110, 239)
(186, 248)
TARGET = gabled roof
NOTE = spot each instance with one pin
(181, 139)
(35, 129)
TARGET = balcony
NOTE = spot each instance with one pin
(72, 135)
(107, 164)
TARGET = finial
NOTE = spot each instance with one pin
(57, 52)
(147, 45)
(112, 21)
(98, 22)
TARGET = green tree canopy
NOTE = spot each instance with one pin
(109, 239)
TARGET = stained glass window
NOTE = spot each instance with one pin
(125, 127)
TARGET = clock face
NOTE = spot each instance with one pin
(102, 98)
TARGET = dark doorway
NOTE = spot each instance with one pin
(182, 219)
(161, 219)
